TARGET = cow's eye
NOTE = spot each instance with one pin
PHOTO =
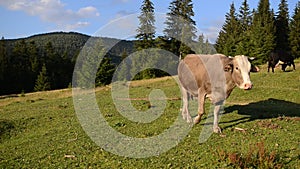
(236, 68)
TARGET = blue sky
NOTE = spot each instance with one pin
(23, 18)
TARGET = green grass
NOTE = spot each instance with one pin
(41, 130)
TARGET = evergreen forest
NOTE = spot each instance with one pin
(46, 61)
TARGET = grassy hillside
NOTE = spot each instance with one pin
(261, 128)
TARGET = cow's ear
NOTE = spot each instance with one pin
(228, 67)
(254, 68)
(251, 58)
(227, 63)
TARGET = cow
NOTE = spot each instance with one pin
(212, 76)
(282, 58)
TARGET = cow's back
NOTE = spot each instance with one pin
(281, 55)
(285, 56)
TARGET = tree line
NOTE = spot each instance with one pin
(260, 31)
(22, 67)
(180, 37)
(252, 32)
(46, 62)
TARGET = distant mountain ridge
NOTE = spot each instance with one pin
(72, 43)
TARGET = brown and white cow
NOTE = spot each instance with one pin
(212, 76)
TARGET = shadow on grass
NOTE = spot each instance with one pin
(271, 108)
(5, 127)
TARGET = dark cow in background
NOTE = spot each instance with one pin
(282, 58)
(212, 76)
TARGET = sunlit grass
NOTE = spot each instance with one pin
(41, 130)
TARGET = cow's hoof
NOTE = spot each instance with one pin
(186, 117)
(197, 119)
(217, 129)
(189, 119)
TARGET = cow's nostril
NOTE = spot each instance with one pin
(247, 86)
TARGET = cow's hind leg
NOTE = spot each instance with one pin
(185, 111)
(201, 108)
(283, 67)
(293, 65)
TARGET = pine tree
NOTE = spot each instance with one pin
(34, 63)
(245, 18)
(64, 70)
(21, 68)
(229, 35)
(33, 57)
(52, 60)
(209, 48)
(201, 45)
(180, 30)
(139, 61)
(174, 26)
(123, 73)
(282, 27)
(3, 61)
(105, 72)
(88, 64)
(124, 54)
(262, 32)
(294, 36)
(42, 82)
(146, 36)
(4, 68)
(146, 29)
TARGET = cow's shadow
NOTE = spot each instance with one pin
(271, 108)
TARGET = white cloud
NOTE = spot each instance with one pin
(89, 11)
(53, 11)
(75, 26)
(120, 27)
(122, 14)
(120, 1)
(211, 33)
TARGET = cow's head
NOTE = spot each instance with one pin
(240, 68)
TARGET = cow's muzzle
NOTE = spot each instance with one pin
(247, 86)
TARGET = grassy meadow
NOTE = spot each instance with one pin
(261, 128)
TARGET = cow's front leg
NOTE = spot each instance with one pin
(201, 107)
(283, 67)
(217, 110)
(293, 65)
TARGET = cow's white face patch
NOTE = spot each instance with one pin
(243, 66)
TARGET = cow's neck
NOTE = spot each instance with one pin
(230, 84)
